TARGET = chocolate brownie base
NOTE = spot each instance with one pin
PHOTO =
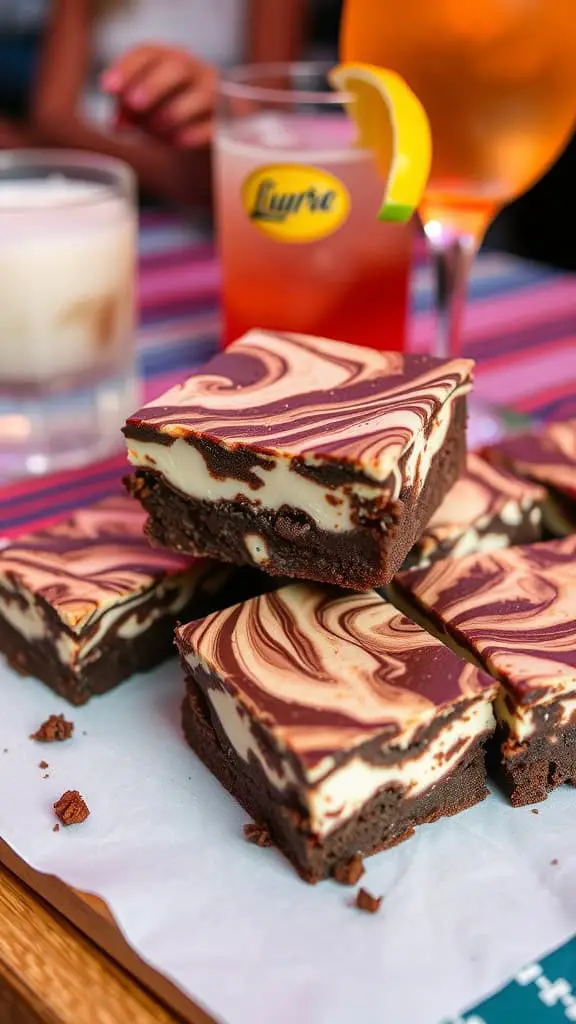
(528, 772)
(112, 661)
(384, 821)
(360, 559)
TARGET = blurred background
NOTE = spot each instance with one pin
(52, 54)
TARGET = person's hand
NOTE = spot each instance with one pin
(164, 91)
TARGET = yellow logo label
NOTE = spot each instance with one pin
(295, 203)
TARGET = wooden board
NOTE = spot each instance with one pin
(92, 916)
(51, 974)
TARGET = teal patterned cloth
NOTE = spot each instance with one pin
(543, 992)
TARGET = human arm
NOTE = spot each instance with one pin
(58, 120)
(171, 93)
(166, 91)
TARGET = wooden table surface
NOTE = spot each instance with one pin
(51, 974)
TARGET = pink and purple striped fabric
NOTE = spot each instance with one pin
(520, 327)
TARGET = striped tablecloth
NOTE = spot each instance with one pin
(520, 328)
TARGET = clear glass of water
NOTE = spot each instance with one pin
(68, 236)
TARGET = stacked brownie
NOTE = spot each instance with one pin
(339, 722)
(306, 457)
(486, 509)
(86, 603)
(513, 614)
(548, 459)
(336, 721)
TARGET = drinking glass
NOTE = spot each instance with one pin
(498, 81)
(297, 205)
(67, 262)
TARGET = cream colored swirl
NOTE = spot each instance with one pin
(548, 458)
(325, 672)
(292, 394)
(87, 563)
(481, 494)
(516, 609)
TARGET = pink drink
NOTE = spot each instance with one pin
(350, 284)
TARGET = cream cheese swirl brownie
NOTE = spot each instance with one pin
(307, 457)
(514, 612)
(335, 721)
(486, 509)
(548, 459)
(87, 602)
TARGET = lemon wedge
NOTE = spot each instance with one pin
(391, 122)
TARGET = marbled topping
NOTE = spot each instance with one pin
(293, 394)
(549, 458)
(325, 672)
(516, 609)
(483, 493)
(85, 564)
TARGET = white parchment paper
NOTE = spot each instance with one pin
(467, 901)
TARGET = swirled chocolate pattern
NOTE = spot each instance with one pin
(487, 508)
(324, 673)
(514, 609)
(480, 494)
(292, 394)
(89, 562)
(548, 458)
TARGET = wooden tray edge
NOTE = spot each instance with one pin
(92, 916)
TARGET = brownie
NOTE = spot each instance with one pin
(56, 729)
(486, 509)
(87, 602)
(549, 459)
(71, 808)
(335, 721)
(367, 902)
(514, 613)
(306, 457)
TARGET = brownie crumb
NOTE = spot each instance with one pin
(54, 729)
(71, 808)
(554, 862)
(257, 834)
(535, 810)
(56, 827)
(43, 764)
(365, 901)
(46, 776)
(349, 872)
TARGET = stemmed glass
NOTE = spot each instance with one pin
(498, 81)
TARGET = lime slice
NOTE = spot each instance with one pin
(392, 123)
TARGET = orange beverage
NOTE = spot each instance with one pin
(498, 81)
(334, 270)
